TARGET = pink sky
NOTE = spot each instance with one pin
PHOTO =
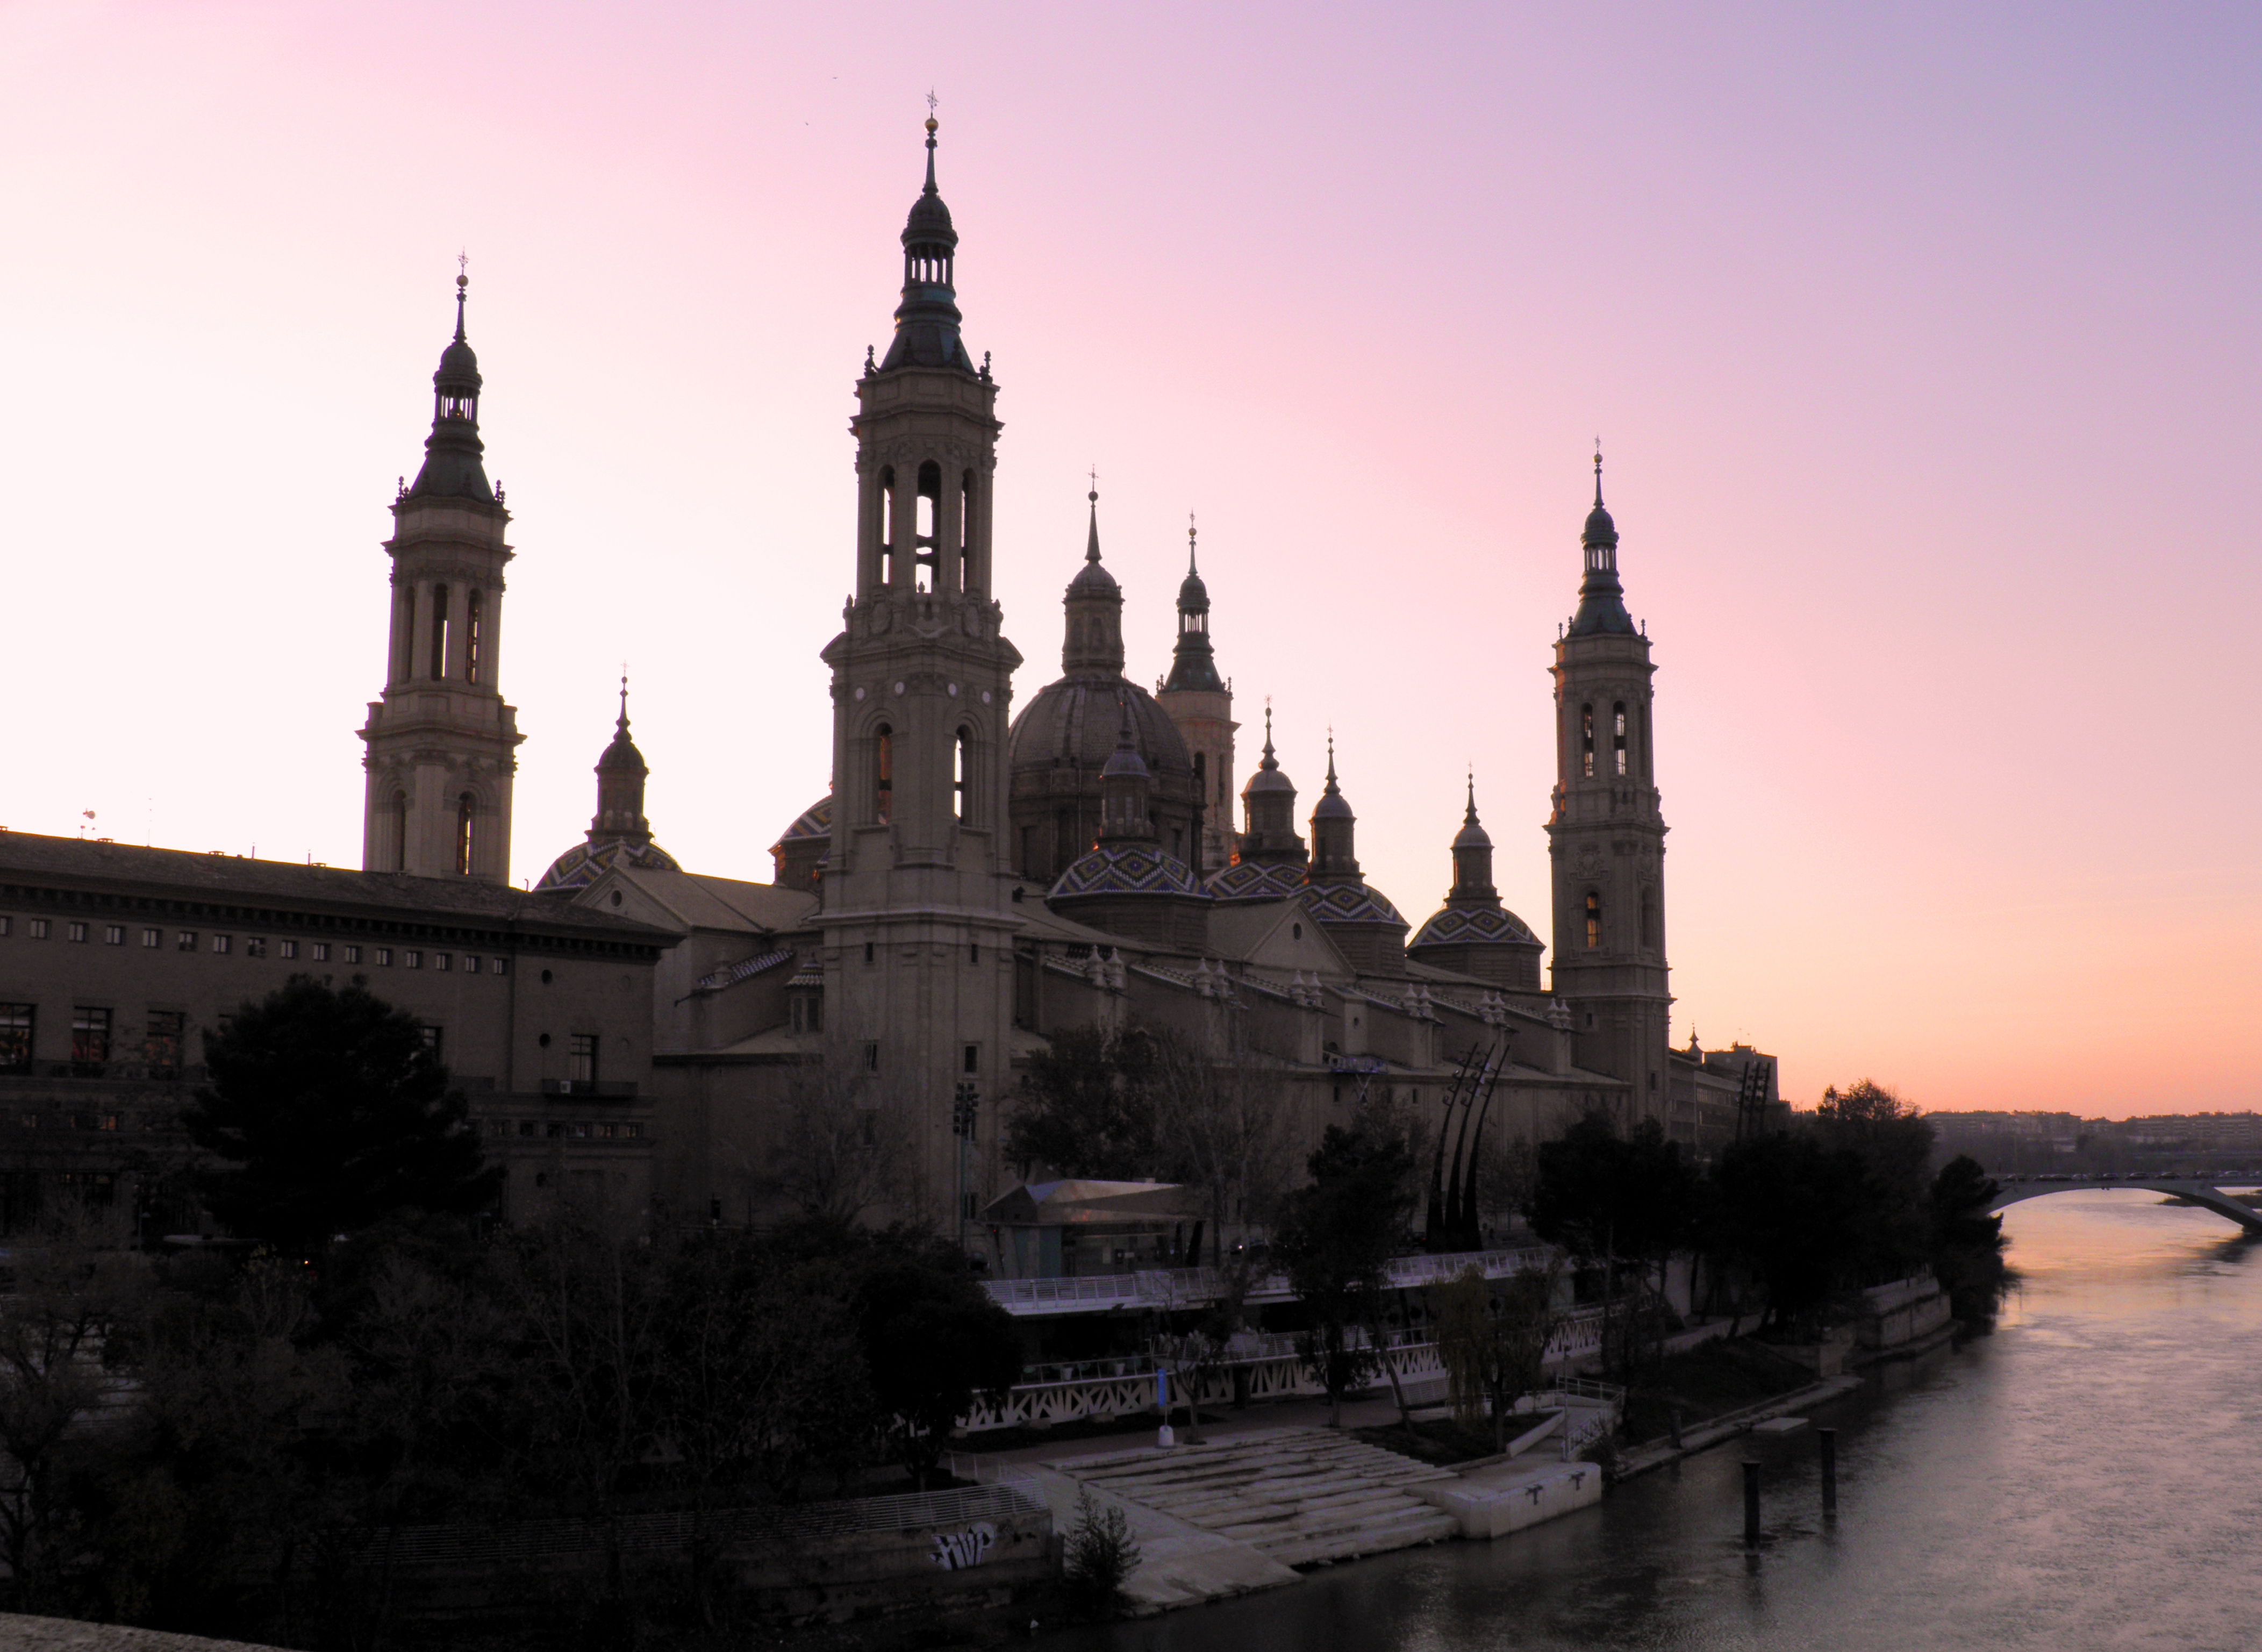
(1922, 342)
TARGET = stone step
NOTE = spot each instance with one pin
(1256, 1523)
(1376, 1537)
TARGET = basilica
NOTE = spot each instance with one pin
(972, 879)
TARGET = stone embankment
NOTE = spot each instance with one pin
(61, 1635)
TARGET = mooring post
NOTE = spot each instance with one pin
(1751, 1501)
(1828, 1440)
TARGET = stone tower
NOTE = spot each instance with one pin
(918, 912)
(440, 744)
(1606, 834)
(1200, 702)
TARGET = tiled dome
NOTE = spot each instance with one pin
(1125, 869)
(1255, 881)
(1480, 925)
(585, 863)
(1350, 904)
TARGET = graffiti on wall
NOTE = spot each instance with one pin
(954, 1551)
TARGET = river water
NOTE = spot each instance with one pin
(2088, 1476)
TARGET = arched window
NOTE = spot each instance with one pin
(472, 629)
(400, 830)
(1587, 742)
(467, 814)
(1201, 776)
(439, 660)
(927, 526)
(887, 525)
(965, 580)
(1594, 918)
(884, 774)
(1649, 918)
(1619, 736)
(962, 771)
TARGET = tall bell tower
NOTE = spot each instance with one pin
(918, 917)
(1606, 834)
(442, 744)
(1200, 702)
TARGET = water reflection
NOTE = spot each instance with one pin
(2090, 1476)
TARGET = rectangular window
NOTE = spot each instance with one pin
(634, 1132)
(973, 1060)
(578, 1131)
(161, 1042)
(7, 926)
(90, 1035)
(16, 1022)
(554, 1128)
(585, 1058)
(471, 963)
(353, 955)
(153, 937)
(286, 948)
(106, 1121)
(255, 946)
(29, 1121)
(74, 932)
(442, 962)
(223, 943)
(113, 936)
(412, 959)
(383, 956)
(604, 1132)
(498, 1127)
(431, 1040)
(38, 929)
(871, 1056)
(501, 966)
(185, 941)
(526, 1127)
(320, 951)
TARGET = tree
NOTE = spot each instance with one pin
(1493, 1340)
(933, 1341)
(1967, 1242)
(1334, 1240)
(1086, 1106)
(1789, 1209)
(838, 1156)
(1893, 1143)
(1099, 1554)
(331, 1111)
(1217, 1126)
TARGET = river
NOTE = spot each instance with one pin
(2089, 1476)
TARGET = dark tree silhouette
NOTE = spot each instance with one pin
(330, 1112)
(1334, 1240)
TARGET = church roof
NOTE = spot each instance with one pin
(585, 863)
(1125, 869)
(815, 821)
(1255, 881)
(1075, 722)
(1458, 925)
(1350, 904)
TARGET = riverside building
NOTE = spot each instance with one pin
(970, 880)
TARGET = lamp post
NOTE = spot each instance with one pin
(965, 1114)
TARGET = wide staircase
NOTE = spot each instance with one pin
(1301, 1498)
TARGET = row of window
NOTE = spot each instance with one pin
(568, 1129)
(256, 947)
(1594, 915)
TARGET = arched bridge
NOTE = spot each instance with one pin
(2200, 1193)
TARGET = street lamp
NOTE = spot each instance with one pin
(965, 1116)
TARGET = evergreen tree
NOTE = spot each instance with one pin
(329, 1111)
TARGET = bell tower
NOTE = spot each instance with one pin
(1606, 834)
(1200, 702)
(442, 746)
(917, 913)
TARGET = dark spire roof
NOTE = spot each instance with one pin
(1472, 835)
(1193, 663)
(622, 756)
(453, 465)
(926, 320)
(1601, 601)
(1268, 776)
(1332, 805)
(1092, 580)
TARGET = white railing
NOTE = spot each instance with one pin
(1167, 1288)
(1256, 1366)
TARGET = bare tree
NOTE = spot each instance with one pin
(1223, 1125)
(841, 1149)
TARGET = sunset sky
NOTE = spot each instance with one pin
(1921, 342)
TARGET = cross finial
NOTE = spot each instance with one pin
(1095, 483)
(1190, 542)
(624, 693)
(1598, 470)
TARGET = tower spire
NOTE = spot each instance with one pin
(453, 465)
(927, 318)
(1601, 601)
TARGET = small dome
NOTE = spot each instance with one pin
(1350, 904)
(1093, 579)
(1332, 805)
(1125, 760)
(1490, 926)
(929, 219)
(585, 863)
(1193, 595)
(1600, 529)
(816, 821)
(458, 365)
(1471, 836)
(1252, 881)
(1125, 869)
(622, 756)
(1265, 780)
